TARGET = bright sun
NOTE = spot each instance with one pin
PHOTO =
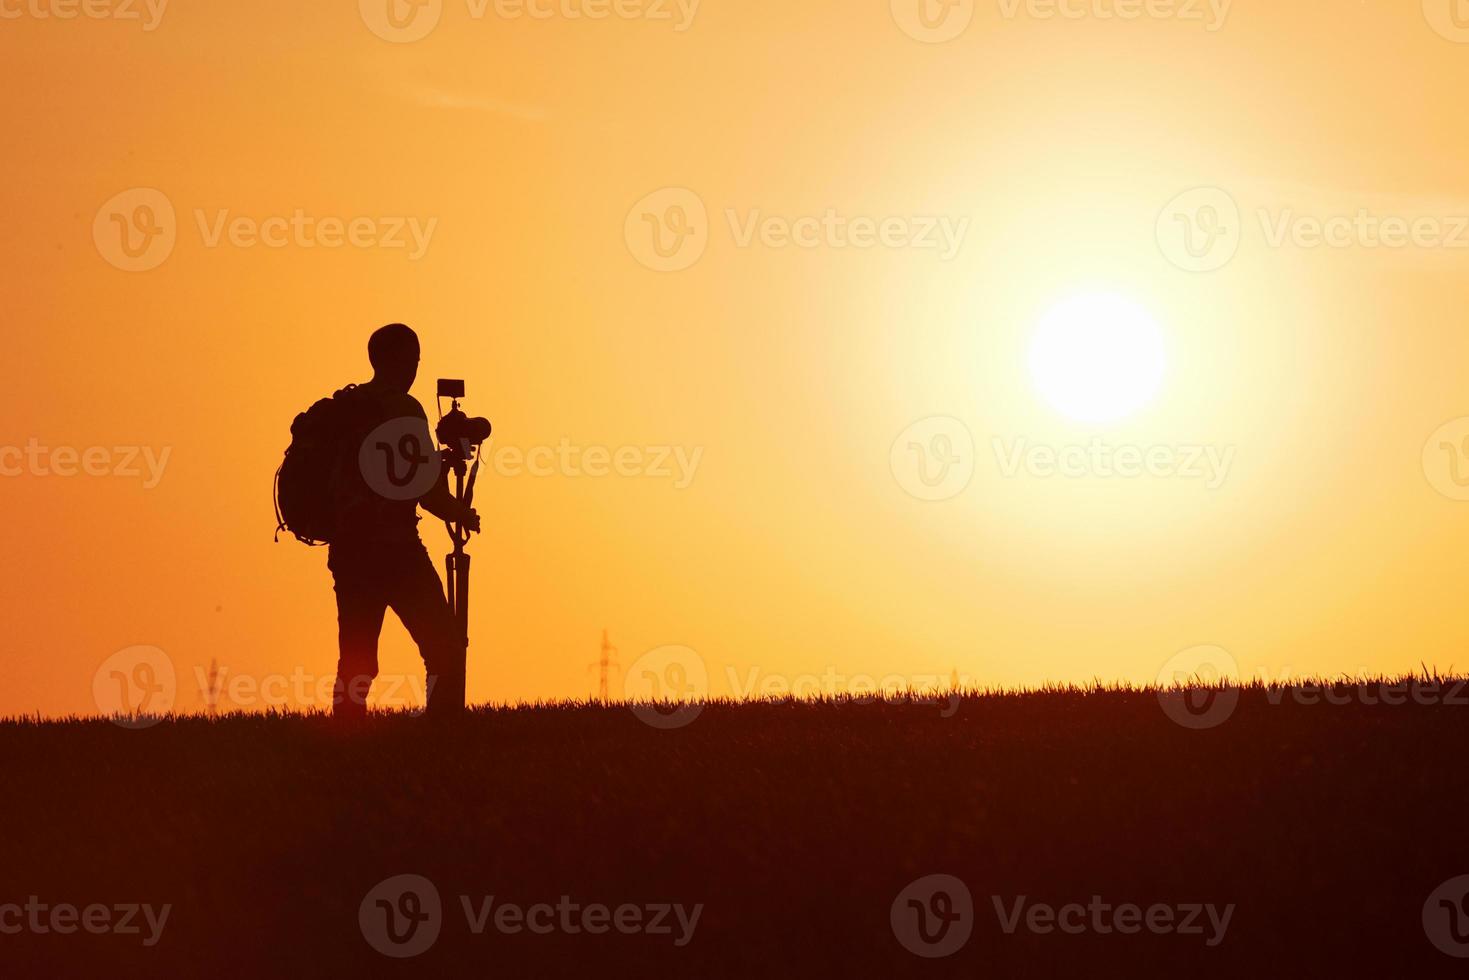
(1097, 357)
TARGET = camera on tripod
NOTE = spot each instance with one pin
(459, 434)
(461, 438)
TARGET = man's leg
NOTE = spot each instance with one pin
(418, 599)
(360, 609)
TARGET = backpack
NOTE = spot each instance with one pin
(307, 481)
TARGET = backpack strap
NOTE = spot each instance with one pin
(280, 519)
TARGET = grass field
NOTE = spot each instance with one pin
(780, 839)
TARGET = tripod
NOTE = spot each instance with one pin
(456, 578)
(462, 439)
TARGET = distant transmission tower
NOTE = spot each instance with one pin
(211, 696)
(604, 665)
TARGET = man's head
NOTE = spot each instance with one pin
(393, 351)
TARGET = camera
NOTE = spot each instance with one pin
(459, 434)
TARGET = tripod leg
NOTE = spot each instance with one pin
(446, 697)
(461, 593)
(461, 611)
(449, 580)
(449, 695)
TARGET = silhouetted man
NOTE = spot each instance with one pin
(377, 559)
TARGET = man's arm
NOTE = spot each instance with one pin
(442, 504)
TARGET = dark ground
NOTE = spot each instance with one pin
(795, 824)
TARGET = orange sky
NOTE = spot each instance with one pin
(790, 546)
